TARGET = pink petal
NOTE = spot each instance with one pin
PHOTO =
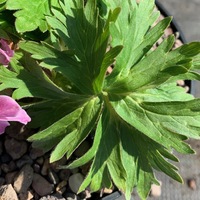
(4, 59)
(5, 52)
(6, 48)
(11, 111)
(3, 126)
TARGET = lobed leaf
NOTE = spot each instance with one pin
(164, 122)
(26, 82)
(88, 39)
(164, 93)
(69, 131)
(55, 109)
(158, 67)
(132, 31)
(122, 146)
(30, 15)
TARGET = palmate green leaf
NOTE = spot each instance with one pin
(165, 122)
(88, 39)
(131, 31)
(51, 136)
(84, 124)
(139, 52)
(2, 5)
(88, 156)
(61, 61)
(119, 147)
(30, 15)
(193, 73)
(196, 62)
(27, 81)
(158, 67)
(107, 61)
(55, 109)
(68, 131)
(105, 158)
(66, 63)
(164, 93)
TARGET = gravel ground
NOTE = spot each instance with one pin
(25, 172)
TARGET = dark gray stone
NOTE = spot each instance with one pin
(23, 179)
(64, 174)
(41, 186)
(23, 161)
(36, 153)
(16, 149)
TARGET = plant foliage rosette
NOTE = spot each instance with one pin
(136, 114)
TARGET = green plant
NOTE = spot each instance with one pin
(136, 114)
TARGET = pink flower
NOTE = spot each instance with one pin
(11, 111)
(5, 52)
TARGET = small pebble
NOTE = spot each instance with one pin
(87, 194)
(53, 177)
(168, 32)
(24, 160)
(107, 190)
(36, 153)
(156, 190)
(181, 82)
(11, 166)
(186, 88)
(10, 177)
(18, 131)
(36, 168)
(5, 168)
(40, 160)
(61, 185)
(192, 184)
(62, 190)
(7, 192)
(23, 179)
(177, 35)
(177, 44)
(41, 186)
(26, 196)
(109, 70)
(75, 182)
(64, 174)
(16, 149)
(45, 167)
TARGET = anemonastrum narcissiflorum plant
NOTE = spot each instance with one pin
(136, 114)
